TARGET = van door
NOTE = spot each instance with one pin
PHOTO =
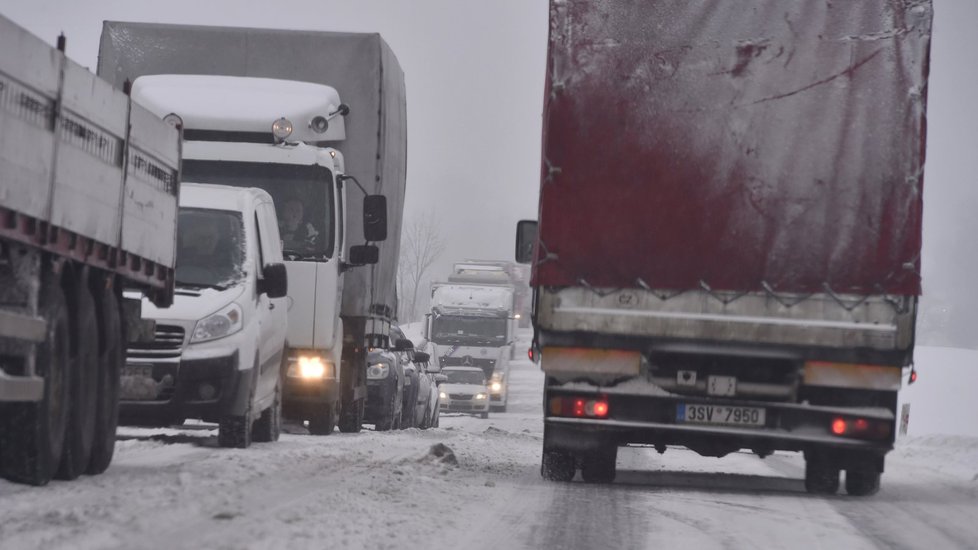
(272, 312)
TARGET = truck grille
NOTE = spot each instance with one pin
(167, 342)
(467, 361)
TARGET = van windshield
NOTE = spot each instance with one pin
(303, 198)
(210, 248)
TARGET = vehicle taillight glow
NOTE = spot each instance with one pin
(578, 407)
(862, 425)
(839, 426)
(600, 409)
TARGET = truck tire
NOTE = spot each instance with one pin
(386, 422)
(351, 418)
(599, 467)
(111, 360)
(821, 478)
(323, 420)
(268, 427)
(82, 386)
(557, 465)
(33, 433)
(862, 483)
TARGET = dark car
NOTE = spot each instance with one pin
(420, 400)
(385, 390)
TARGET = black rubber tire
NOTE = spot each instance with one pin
(386, 422)
(484, 415)
(112, 356)
(599, 467)
(234, 432)
(33, 433)
(862, 483)
(557, 465)
(821, 478)
(351, 418)
(323, 422)
(268, 427)
(437, 414)
(83, 386)
(426, 419)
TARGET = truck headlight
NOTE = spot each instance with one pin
(282, 128)
(378, 371)
(310, 367)
(480, 396)
(223, 323)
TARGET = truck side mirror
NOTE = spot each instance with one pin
(375, 218)
(526, 240)
(364, 254)
(426, 328)
(274, 281)
(421, 357)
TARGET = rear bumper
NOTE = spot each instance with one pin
(654, 420)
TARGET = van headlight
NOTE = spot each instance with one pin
(223, 323)
(378, 371)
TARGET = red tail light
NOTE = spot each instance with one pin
(579, 407)
(839, 426)
(601, 409)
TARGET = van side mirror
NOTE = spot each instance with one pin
(375, 218)
(403, 344)
(274, 281)
(526, 240)
(364, 254)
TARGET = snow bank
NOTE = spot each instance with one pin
(942, 400)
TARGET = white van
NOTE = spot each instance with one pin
(219, 349)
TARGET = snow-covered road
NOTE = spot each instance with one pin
(176, 489)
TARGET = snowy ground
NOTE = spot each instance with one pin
(175, 489)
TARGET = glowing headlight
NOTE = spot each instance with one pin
(496, 387)
(378, 371)
(227, 321)
(443, 395)
(480, 396)
(282, 128)
(311, 367)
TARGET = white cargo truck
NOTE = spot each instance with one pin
(262, 108)
(88, 200)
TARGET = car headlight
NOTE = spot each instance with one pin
(223, 323)
(496, 387)
(480, 396)
(443, 395)
(378, 371)
(311, 367)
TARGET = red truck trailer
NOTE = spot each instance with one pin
(728, 248)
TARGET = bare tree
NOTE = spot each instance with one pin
(421, 244)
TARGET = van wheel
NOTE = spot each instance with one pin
(234, 432)
(386, 422)
(33, 433)
(111, 360)
(82, 387)
(323, 420)
(268, 427)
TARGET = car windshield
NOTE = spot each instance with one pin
(465, 377)
(303, 198)
(453, 329)
(210, 248)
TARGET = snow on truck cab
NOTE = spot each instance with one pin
(219, 348)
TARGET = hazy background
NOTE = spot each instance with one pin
(475, 73)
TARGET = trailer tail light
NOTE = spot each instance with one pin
(579, 407)
(839, 426)
(860, 428)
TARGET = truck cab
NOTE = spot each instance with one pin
(235, 134)
(219, 348)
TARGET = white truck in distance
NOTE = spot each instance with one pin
(472, 325)
(88, 200)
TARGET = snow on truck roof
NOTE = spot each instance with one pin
(245, 104)
(472, 296)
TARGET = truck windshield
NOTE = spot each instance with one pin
(455, 329)
(303, 198)
(210, 248)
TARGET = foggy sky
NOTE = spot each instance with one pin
(475, 71)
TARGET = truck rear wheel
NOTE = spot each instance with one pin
(862, 483)
(599, 467)
(557, 465)
(82, 386)
(33, 433)
(110, 367)
(821, 478)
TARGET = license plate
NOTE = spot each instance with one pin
(720, 414)
(140, 371)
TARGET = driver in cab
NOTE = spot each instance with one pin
(297, 234)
